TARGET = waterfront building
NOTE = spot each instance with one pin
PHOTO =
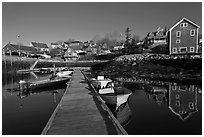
(183, 37)
(15, 49)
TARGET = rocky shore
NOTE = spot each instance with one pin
(180, 69)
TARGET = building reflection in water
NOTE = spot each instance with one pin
(181, 99)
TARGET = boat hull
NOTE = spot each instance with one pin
(46, 84)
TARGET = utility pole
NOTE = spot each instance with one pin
(18, 36)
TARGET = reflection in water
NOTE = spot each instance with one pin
(180, 99)
(17, 105)
(183, 100)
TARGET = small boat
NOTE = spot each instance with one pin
(101, 83)
(64, 73)
(117, 98)
(43, 84)
(124, 114)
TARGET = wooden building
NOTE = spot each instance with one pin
(183, 37)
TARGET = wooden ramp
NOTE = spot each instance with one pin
(80, 112)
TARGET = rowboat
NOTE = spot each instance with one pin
(43, 84)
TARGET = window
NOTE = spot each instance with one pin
(183, 49)
(178, 34)
(178, 41)
(192, 32)
(177, 96)
(174, 51)
(191, 105)
(181, 25)
(192, 49)
(178, 103)
(185, 24)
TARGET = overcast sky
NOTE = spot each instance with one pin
(51, 22)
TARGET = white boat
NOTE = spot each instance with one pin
(64, 73)
(117, 98)
(101, 83)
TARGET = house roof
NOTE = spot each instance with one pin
(39, 45)
(25, 48)
(183, 20)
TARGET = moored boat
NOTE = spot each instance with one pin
(64, 73)
(43, 84)
(101, 83)
(123, 113)
(117, 98)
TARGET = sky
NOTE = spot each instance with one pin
(53, 21)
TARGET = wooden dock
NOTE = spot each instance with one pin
(80, 112)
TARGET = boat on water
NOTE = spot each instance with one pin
(101, 83)
(123, 114)
(43, 84)
(64, 73)
(119, 96)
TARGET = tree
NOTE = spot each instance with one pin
(127, 37)
(135, 40)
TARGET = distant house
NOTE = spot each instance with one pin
(76, 45)
(183, 37)
(156, 38)
(70, 55)
(183, 100)
(41, 47)
(118, 47)
(54, 45)
(18, 49)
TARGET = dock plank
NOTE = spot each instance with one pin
(80, 113)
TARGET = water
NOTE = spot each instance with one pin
(26, 113)
(170, 109)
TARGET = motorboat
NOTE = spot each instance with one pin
(101, 83)
(123, 114)
(43, 84)
(67, 73)
(120, 96)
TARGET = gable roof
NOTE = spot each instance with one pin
(39, 45)
(183, 20)
(24, 48)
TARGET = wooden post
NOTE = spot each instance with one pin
(54, 69)
(10, 57)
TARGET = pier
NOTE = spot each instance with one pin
(82, 112)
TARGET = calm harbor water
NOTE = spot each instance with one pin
(171, 109)
(26, 113)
